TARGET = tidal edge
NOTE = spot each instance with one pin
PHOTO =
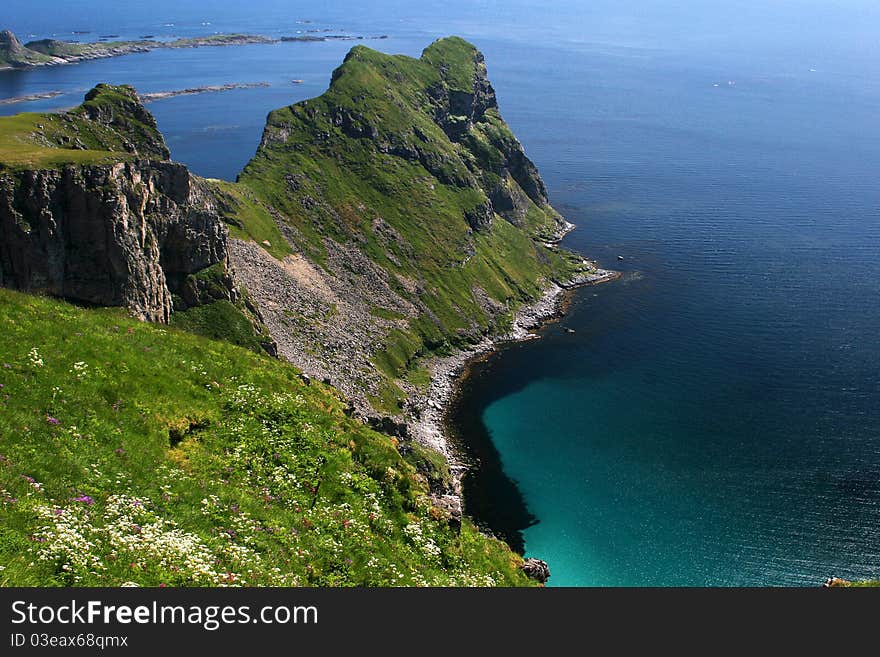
(434, 428)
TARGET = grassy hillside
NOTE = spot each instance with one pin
(130, 452)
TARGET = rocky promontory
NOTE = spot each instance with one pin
(98, 214)
(52, 52)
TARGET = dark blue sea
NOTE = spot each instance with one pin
(714, 419)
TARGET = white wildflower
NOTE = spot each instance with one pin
(80, 370)
(35, 358)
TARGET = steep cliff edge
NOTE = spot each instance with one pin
(418, 224)
(126, 234)
(91, 210)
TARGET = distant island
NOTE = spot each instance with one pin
(53, 52)
(45, 95)
(190, 91)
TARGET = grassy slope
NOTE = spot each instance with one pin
(249, 219)
(26, 142)
(52, 140)
(354, 182)
(63, 49)
(131, 452)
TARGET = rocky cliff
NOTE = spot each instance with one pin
(393, 218)
(417, 223)
(126, 234)
(91, 210)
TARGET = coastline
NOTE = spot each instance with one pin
(53, 52)
(430, 427)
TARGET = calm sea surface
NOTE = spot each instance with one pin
(713, 419)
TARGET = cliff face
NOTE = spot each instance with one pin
(126, 234)
(91, 210)
(417, 222)
(392, 219)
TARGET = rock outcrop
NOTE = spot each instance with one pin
(126, 234)
(537, 570)
(104, 218)
(417, 221)
(393, 219)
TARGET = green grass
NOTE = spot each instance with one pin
(249, 219)
(135, 453)
(456, 58)
(65, 49)
(17, 56)
(52, 140)
(384, 313)
(220, 320)
(26, 143)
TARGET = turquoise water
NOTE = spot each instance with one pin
(713, 419)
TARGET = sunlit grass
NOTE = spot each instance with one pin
(132, 452)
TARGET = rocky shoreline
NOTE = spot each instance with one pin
(51, 52)
(428, 424)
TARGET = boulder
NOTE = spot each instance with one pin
(536, 569)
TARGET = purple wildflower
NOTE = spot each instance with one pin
(30, 480)
(52, 420)
(58, 512)
(85, 499)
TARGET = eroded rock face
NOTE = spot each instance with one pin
(457, 110)
(126, 234)
(537, 570)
